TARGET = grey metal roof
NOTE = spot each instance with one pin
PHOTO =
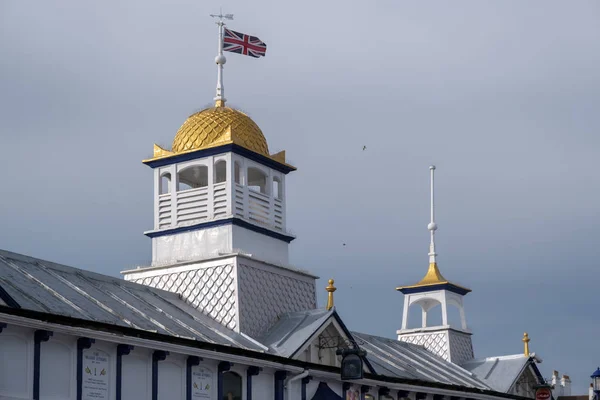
(292, 330)
(499, 373)
(53, 288)
(405, 360)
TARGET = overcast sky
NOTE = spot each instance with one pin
(502, 96)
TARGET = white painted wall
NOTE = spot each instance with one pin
(16, 363)
(193, 245)
(58, 368)
(171, 378)
(137, 372)
(260, 246)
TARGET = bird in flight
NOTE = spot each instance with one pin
(364, 148)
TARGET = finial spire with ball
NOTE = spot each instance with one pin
(220, 59)
(432, 226)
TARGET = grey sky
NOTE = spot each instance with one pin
(501, 95)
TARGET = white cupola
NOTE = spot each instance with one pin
(453, 343)
(218, 190)
(219, 238)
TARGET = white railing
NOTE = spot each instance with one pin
(193, 206)
(164, 210)
(219, 200)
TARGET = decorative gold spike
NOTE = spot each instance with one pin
(279, 156)
(526, 341)
(160, 152)
(330, 289)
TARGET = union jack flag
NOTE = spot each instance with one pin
(243, 44)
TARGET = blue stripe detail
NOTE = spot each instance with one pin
(82, 344)
(306, 379)
(122, 350)
(220, 222)
(250, 372)
(192, 361)
(234, 148)
(279, 384)
(7, 299)
(38, 337)
(224, 366)
(157, 355)
(447, 286)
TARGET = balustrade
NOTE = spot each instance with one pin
(196, 205)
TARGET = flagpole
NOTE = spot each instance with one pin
(220, 60)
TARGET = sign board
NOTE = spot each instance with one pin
(202, 383)
(543, 393)
(96, 367)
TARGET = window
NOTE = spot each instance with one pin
(232, 386)
(165, 183)
(257, 180)
(220, 171)
(277, 188)
(193, 177)
(369, 397)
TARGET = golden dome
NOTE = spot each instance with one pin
(217, 125)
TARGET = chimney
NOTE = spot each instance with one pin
(555, 379)
(565, 382)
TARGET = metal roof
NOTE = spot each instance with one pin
(395, 358)
(44, 286)
(499, 373)
(292, 330)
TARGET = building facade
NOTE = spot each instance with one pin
(220, 313)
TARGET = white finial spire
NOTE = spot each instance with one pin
(220, 59)
(432, 226)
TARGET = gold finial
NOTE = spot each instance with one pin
(330, 289)
(526, 341)
(219, 103)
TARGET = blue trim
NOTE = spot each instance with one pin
(279, 384)
(2, 326)
(442, 286)
(157, 355)
(364, 389)
(220, 222)
(234, 148)
(82, 344)
(8, 299)
(224, 366)
(345, 387)
(38, 337)
(250, 372)
(307, 379)
(122, 350)
(191, 362)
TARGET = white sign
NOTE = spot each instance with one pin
(95, 375)
(202, 383)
